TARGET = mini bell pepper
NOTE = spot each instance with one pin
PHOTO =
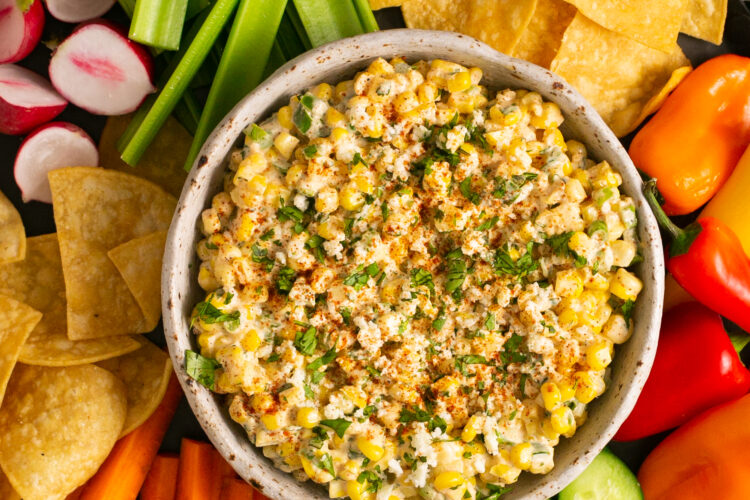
(707, 458)
(696, 367)
(731, 205)
(707, 260)
(694, 141)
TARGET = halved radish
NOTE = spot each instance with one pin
(98, 69)
(51, 146)
(20, 29)
(26, 100)
(75, 11)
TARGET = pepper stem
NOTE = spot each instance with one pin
(681, 238)
(739, 340)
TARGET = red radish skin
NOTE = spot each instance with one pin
(19, 31)
(99, 69)
(26, 100)
(75, 11)
(51, 146)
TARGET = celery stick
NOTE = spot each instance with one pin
(158, 23)
(188, 112)
(366, 17)
(328, 20)
(242, 64)
(275, 60)
(293, 17)
(288, 39)
(128, 6)
(178, 82)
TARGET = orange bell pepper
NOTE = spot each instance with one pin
(705, 458)
(694, 141)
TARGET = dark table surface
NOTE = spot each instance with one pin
(38, 219)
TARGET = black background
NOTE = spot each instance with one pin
(37, 217)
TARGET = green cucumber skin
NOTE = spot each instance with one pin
(606, 478)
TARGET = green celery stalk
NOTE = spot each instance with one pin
(128, 6)
(288, 39)
(242, 64)
(293, 17)
(275, 60)
(366, 17)
(188, 112)
(328, 20)
(158, 23)
(178, 82)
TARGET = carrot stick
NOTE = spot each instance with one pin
(75, 495)
(236, 489)
(121, 476)
(202, 471)
(161, 481)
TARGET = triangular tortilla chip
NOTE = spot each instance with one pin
(543, 36)
(95, 211)
(38, 281)
(139, 263)
(6, 489)
(16, 323)
(705, 19)
(498, 23)
(145, 373)
(12, 233)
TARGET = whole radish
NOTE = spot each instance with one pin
(51, 146)
(26, 100)
(75, 11)
(98, 69)
(21, 24)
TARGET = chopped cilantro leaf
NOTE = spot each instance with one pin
(339, 425)
(201, 369)
(465, 187)
(306, 341)
(285, 280)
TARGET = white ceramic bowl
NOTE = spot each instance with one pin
(340, 60)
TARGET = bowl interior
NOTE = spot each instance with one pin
(340, 60)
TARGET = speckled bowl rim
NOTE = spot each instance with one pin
(333, 62)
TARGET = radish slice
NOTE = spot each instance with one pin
(26, 100)
(98, 69)
(75, 11)
(51, 146)
(19, 31)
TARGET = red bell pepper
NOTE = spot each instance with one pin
(708, 261)
(696, 367)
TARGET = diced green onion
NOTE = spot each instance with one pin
(178, 82)
(366, 17)
(260, 136)
(158, 23)
(302, 118)
(328, 20)
(242, 63)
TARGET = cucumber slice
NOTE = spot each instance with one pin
(607, 478)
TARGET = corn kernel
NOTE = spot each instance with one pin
(617, 329)
(285, 117)
(328, 230)
(257, 185)
(351, 198)
(550, 116)
(251, 341)
(379, 67)
(562, 420)
(406, 101)
(427, 92)
(307, 466)
(255, 163)
(294, 174)
(334, 117)
(262, 402)
(520, 455)
(567, 391)
(476, 75)
(370, 449)
(459, 82)
(582, 177)
(357, 490)
(447, 480)
(568, 283)
(579, 243)
(623, 252)
(285, 144)
(625, 285)
(599, 355)
(470, 430)
(343, 89)
(445, 384)
(323, 91)
(588, 386)
(206, 279)
(568, 318)
(327, 200)
(468, 148)
(307, 417)
(551, 395)
(271, 421)
(548, 431)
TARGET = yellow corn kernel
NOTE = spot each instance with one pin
(567, 391)
(351, 470)
(406, 101)
(551, 395)
(342, 89)
(599, 355)
(245, 227)
(579, 243)
(337, 489)
(447, 480)
(328, 230)
(568, 283)
(500, 470)
(468, 148)
(327, 200)
(262, 402)
(617, 329)
(285, 117)
(251, 341)
(206, 279)
(323, 91)
(520, 455)
(568, 318)
(445, 384)
(204, 340)
(605, 177)
(476, 75)
(255, 163)
(588, 386)
(582, 177)
(271, 421)
(334, 117)
(357, 490)
(391, 291)
(338, 134)
(470, 430)
(307, 417)
(294, 174)
(257, 185)
(351, 198)
(354, 395)
(285, 144)
(370, 449)
(562, 420)
(553, 137)
(625, 285)
(458, 82)
(379, 67)
(567, 168)
(548, 431)
(427, 92)
(623, 252)
(475, 448)
(550, 117)
(307, 466)
(363, 184)
(598, 282)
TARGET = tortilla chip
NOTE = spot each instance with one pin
(498, 23)
(653, 104)
(655, 24)
(705, 19)
(145, 373)
(95, 211)
(543, 36)
(139, 263)
(615, 74)
(16, 323)
(12, 233)
(6, 489)
(59, 425)
(163, 161)
(38, 281)
(384, 4)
